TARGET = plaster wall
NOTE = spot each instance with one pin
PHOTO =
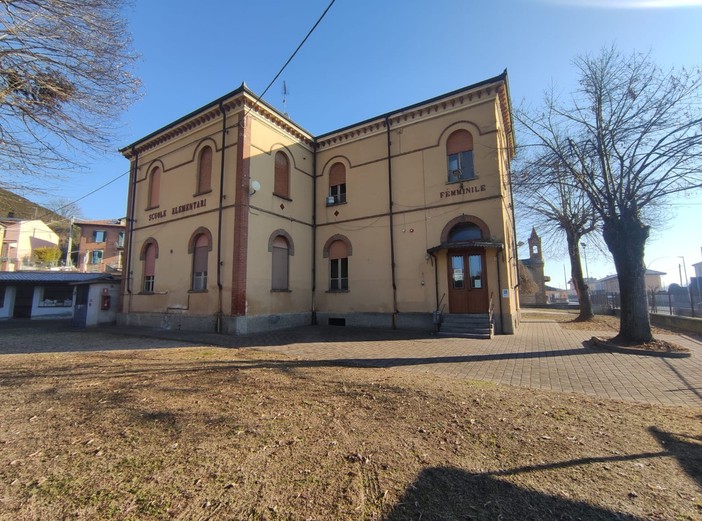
(40, 311)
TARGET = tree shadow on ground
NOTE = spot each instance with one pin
(685, 448)
(447, 493)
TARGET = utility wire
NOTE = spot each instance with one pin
(55, 212)
(319, 20)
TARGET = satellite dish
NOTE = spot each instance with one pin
(255, 187)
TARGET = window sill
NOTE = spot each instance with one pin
(286, 197)
(336, 204)
(475, 177)
(149, 208)
(198, 194)
(281, 291)
(198, 291)
(337, 291)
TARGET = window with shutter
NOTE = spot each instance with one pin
(154, 187)
(281, 267)
(149, 268)
(200, 258)
(281, 183)
(338, 266)
(459, 152)
(337, 184)
(204, 171)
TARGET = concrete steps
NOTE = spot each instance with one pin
(466, 325)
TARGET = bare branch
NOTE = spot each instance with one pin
(64, 81)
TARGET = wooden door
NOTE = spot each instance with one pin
(467, 280)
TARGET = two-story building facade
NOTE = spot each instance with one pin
(239, 220)
(101, 245)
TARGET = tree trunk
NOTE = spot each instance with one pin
(626, 238)
(576, 274)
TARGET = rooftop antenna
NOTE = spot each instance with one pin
(285, 98)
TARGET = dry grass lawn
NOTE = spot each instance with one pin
(210, 433)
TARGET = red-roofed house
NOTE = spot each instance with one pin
(101, 245)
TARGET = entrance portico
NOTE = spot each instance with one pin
(466, 241)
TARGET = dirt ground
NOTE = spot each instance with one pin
(609, 323)
(211, 433)
(599, 322)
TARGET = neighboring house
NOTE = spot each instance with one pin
(556, 295)
(88, 298)
(20, 240)
(610, 284)
(242, 221)
(698, 269)
(535, 265)
(101, 245)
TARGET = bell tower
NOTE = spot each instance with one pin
(535, 247)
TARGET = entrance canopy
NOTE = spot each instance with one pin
(466, 244)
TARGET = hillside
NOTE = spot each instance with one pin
(13, 205)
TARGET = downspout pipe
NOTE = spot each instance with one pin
(220, 287)
(436, 278)
(314, 233)
(392, 228)
(499, 291)
(514, 226)
(135, 173)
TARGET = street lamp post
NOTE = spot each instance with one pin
(587, 271)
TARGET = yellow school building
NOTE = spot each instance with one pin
(239, 220)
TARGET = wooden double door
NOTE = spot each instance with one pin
(467, 281)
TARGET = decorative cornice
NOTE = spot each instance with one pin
(450, 102)
(279, 121)
(241, 98)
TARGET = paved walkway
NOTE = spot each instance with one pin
(541, 355)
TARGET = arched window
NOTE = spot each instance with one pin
(337, 184)
(200, 249)
(459, 151)
(281, 263)
(154, 187)
(150, 255)
(204, 171)
(465, 232)
(338, 266)
(281, 182)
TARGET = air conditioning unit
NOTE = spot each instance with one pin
(331, 200)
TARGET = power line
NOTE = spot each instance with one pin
(291, 57)
(309, 33)
(84, 196)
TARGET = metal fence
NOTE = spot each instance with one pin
(678, 301)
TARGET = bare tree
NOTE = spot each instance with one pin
(64, 79)
(546, 193)
(65, 207)
(630, 137)
(527, 284)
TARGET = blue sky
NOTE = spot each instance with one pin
(371, 56)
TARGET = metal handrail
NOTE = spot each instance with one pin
(491, 311)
